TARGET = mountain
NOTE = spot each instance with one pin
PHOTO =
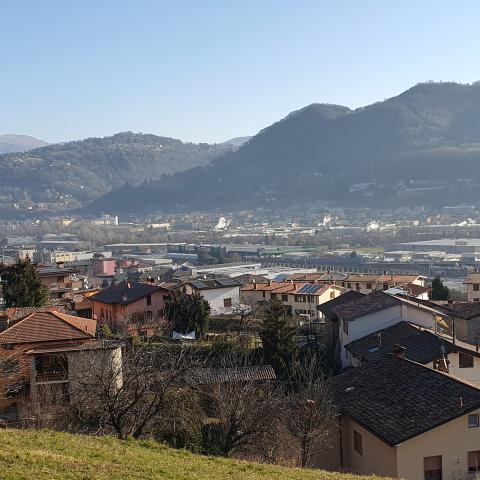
(69, 174)
(19, 143)
(238, 141)
(421, 147)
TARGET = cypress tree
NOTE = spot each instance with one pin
(22, 286)
(278, 339)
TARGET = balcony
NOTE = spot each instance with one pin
(48, 377)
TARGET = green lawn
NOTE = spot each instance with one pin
(45, 455)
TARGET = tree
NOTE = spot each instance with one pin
(278, 339)
(22, 286)
(439, 290)
(128, 397)
(310, 413)
(187, 312)
(246, 412)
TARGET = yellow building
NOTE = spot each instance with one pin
(404, 420)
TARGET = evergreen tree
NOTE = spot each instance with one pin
(22, 286)
(439, 290)
(187, 312)
(278, 339)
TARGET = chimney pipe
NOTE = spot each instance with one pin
(399, 351)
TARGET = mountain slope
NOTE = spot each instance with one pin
(83, 170)
(19, 143)
(46, 455)
(413, 148)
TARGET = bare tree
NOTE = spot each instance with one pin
(310, 414)
(245, 409)
(126, 396)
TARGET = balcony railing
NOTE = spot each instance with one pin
(51, 377)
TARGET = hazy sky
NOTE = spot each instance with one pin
(209, 70)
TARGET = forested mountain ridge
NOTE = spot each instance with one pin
(419, 147)
(79, 171)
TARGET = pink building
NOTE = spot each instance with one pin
(132, 306)
(103, 266)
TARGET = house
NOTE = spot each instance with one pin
(221, 293)
(473, 287)
(366, 314)
(135, 306)
(299, 299)
(440, 352)
(24, 330)
(463, 318)
(103, 266)
(363, 283)
(58, 280)
(401, 419)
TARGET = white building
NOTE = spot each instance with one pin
(222, 294)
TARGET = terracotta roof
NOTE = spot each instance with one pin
(48, 326)
(416, 290)
(17, 313)
(288, 287)
(472, 278)
(371, 303)
(399, 399)
(395, 279)
(77, 346)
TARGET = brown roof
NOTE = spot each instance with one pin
(371, 303)
(416, 290)
(14, 314)
(399, 399)
(49, 326)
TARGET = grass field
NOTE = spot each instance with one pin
(45, 455)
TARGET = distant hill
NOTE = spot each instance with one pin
(238, 141)
(44, 455)
(421, 147)
(19, 143)
(68, 174)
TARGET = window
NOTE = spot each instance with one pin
(300, 298)
(227, 302)
(357, 442)
(465, 360)
(476, 287)
(474, 461)
(473, 420)
(385, 286)
(345, 326)
(432, 468)
(263, 293)
(476, 299)
(284, 298)
(349, 285)
(149, 300)
(101, 313)
(369, 286)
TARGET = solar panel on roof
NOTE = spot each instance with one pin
(227, 282)
(310, 289)
(199, 284)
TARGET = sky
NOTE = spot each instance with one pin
(210, 70)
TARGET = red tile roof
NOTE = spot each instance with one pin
(49, 326)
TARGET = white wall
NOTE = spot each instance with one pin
(216, 296)
(371, 323)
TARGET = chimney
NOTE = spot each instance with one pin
(379, 339)
(129, 285)
(124, 297)
(398, 351)
(461, 402)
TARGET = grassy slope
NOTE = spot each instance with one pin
(45, 455)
